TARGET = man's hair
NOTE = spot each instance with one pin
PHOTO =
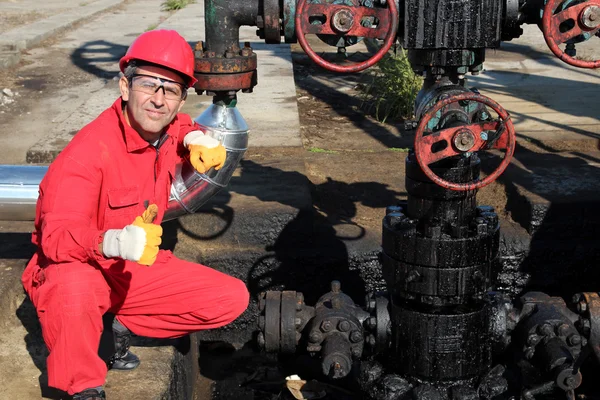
(130, 70)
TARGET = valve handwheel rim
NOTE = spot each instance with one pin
(506, 140)
(552, 36)
(390, 38)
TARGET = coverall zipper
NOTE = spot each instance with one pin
(162, 139)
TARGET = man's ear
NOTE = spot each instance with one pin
(124, 88)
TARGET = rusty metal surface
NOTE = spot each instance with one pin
(272, 318)
(504, 140)
(551, 27)
(593, 309)
(272, 23)
(222, 65)
(388, 24)
(289, 14)
(225, 82)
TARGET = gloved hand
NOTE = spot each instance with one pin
(136, 242)
(205, 151)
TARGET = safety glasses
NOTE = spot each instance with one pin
(151, 84)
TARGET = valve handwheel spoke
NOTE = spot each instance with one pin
(496, 134)
(343, 20)
(586, 19)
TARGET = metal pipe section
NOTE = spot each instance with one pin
(19, 184)
(19, 191)
(223, 21)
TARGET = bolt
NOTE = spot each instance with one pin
(260, 339)
(545, 330)
(356, 336)
(326, 326)
(249, 90)
(299, 301)
(262, 301)
(246, 52)
(344, 326)
(297, 322)
(570, 382)
(356, 352)
(584, 342)
(315, 337)
(229, 54)
(412, 276)
(246, 44)
(371, 304)
(199, 46)
(336, 303)
(336, 286)
(577, 298)
(562, 330)
(533, 339)
(590, 17)
(371, 340)
(529, 353)
(582, 307)
(211, 54)
(574, 339)
(372, 322)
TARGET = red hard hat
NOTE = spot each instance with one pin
(162, 47)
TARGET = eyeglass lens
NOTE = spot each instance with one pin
(151, 85)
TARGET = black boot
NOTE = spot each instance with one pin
(123, 359)
(90, 394)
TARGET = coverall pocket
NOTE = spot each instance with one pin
(122, 207)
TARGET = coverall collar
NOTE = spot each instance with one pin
(133, 140)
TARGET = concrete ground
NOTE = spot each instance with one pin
(306, 204)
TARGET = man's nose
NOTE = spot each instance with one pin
(159, 96)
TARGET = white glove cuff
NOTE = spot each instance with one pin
(110, 243)
(201, 139)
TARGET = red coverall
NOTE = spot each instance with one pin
(101, 181)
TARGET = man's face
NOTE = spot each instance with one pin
(149, 113)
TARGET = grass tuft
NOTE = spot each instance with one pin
(391, 88)
(173, 5)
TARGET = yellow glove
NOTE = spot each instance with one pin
(136, 242)
(205, 151)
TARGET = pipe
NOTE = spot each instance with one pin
(19, 191)
(19, 184)
(223, 19)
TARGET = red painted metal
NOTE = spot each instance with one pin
(505, 141)
(554, 37)
(387, 28)
(225, 82)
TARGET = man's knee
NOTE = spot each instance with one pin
(224, 308)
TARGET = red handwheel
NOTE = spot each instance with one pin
(343, 20)
(495, 134)
(586, 20)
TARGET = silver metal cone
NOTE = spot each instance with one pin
(191, 189)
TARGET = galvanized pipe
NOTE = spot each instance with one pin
(19, 191)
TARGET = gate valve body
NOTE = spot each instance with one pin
(494, 134)
(585, 18)
(346, 21)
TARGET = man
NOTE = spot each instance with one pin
(97, 226)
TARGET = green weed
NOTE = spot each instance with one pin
(399, 149)
(173, 5)
(391, 88)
